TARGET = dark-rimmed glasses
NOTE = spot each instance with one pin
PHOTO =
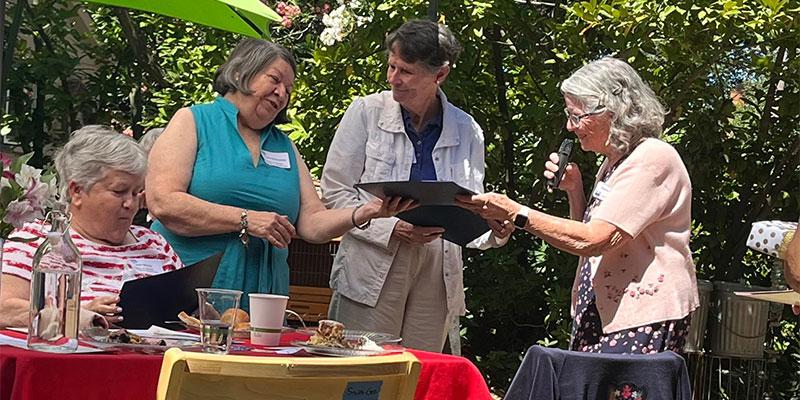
(576, 118)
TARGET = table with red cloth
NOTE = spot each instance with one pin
(33, 375)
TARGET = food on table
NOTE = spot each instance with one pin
(123, 336)
(233, 316)
(331, 334)
(241, 317)
(189, 320)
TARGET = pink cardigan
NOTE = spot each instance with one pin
(651, 278)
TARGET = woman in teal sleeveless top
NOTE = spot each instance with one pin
(224, 173)
(224, 179)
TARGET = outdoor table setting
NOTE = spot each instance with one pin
(128, 373)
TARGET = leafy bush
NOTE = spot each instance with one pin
(726, 69)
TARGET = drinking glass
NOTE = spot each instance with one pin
(216, 334)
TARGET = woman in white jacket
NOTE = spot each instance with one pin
(392, 276)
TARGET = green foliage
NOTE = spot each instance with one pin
(727, 70)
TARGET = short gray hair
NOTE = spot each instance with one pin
(424, 41)
(249, 58)
(98, 129)
(90, 153)
(149, 139)
(612, 83)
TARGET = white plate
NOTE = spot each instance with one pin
(340, 352)
(351, 334)
(377, 337)
(98, 337)
(140, 348)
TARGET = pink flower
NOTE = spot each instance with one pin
(286, 22)
(5, 159)
(292, 11)
(21, 211)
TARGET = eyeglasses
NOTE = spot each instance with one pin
(577, 118)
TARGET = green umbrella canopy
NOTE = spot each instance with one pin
(247, 17)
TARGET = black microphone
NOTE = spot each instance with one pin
(564, 153)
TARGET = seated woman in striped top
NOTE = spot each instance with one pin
(102, 176)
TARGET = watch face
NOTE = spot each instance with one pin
(520, 221)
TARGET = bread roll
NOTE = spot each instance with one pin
(242, 327)
(234, 316)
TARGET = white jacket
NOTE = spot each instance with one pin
(371, 145)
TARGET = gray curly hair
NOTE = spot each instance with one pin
(91, 152)
(247, 59)
(615, 85)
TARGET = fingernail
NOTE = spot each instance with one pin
(120, 318)
(119, 310)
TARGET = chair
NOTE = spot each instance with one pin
(554, 374)
(189, 375)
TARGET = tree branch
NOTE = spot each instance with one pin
(138, 45)
(502, 102)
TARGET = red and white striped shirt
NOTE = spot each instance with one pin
(105, 268)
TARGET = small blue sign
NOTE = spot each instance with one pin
(362, 390)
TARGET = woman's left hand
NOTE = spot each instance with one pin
(490, 206)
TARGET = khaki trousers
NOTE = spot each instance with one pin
(412, 303)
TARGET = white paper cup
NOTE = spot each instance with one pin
(266, 318)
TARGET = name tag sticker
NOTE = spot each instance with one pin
(601, 191)
(280, 160)
(362, 390)
(145, 266)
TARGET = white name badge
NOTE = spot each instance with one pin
(280, 160)
(601, 191)
(145, 266)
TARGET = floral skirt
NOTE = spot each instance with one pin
(588, 336)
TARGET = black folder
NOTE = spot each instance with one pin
(158, 298)
(437, 207)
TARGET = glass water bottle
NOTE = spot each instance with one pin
(55, 290)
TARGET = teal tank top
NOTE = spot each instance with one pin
(224, 174)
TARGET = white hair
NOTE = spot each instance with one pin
(90, 153)
(637, 113)
(149, 139)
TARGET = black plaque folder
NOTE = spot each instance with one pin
(437, 207)
(158, 298)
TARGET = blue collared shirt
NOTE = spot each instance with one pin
(424, 141)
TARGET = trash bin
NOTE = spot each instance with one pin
(737, 325)
(697, 329)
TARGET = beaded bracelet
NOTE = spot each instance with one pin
(365, 225)
(243, 236)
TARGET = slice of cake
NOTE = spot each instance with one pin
(330, 334)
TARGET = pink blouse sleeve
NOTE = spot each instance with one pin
(645, 188)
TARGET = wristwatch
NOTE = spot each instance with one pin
(521, 220)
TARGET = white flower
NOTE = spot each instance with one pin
(40, 194)
(28, 175)
(21, 211)
(363, 20)
(328, 37)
